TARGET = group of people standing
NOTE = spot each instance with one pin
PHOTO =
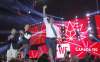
(22, 38)
(19, 42)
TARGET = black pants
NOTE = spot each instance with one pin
(51, 43)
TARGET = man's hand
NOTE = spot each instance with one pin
(44, 10)
(45, 6)
(10, 37)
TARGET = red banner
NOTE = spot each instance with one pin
(76, 39)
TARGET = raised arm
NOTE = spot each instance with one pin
(44, 15)
(44, 11)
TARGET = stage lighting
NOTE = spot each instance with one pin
(71, 38)
(76, 16)
(87, 14)
(29, 12)
(90, 35)
(62, 24)
(89, 28)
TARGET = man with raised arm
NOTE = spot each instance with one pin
(52, 34)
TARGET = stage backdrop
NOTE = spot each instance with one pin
(75, 38)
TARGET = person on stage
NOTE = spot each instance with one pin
(25, 42)
(13, 47)
(52, 34)
(13, 38)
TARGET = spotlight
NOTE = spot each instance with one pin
(63, 31)
(29, 12)
(76, 16)
(90, 35)
(89, 28)
(62, 18)
(78, 30)
(87, 14)
(70, 38)
(62, 24)
(89, 22)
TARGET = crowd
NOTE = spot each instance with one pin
(67, 58)
(19, 42)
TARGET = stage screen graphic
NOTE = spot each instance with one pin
(75, 39)
(97, 19)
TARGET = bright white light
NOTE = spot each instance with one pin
(62, 18)
(62, 24)
(78, 30)
(76, 16)
(79, 38)
(90, 35)
(29, 12)
(70, 38)
(63, 31)
(88, 22)
(77, 23)
(87, 14)
(89, 28)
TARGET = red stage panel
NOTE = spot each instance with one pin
(79, 43)
(38, 36)
(97, 19)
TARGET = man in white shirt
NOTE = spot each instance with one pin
(52, 33)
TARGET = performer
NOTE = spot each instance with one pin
(12, 39)
(20, 38)
(25, 42)
(52, 33)
(78, 34)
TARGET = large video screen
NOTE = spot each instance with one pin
(75, 38)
